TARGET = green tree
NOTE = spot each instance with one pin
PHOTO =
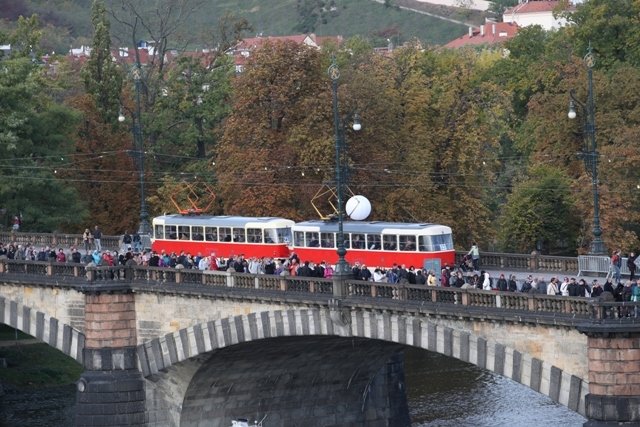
(499, 6)
(540, 214)
(101, 76)
(35, 136)
(612, 28)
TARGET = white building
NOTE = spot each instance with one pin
(537, 12)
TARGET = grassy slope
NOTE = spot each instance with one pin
(272, 17)
(359, 17)
(35, 365)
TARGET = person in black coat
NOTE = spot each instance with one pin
(583, 289)
(631, 265)
(502, 283)
(513, 285)
(304, 270)
(574, 289)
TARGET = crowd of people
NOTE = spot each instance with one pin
(466, 275)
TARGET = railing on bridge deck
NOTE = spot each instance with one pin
(170, 279)
(56, 240)
(533, 262)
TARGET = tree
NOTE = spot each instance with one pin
(101, 76)
(35, 139)
(280, 101)
(612, 28)
(499, 6)
(540, 214)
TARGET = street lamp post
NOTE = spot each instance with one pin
(342, 270)
(590, 154)
(144, 228)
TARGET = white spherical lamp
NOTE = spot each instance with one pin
(358, 208)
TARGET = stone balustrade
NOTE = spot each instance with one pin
(523, 262)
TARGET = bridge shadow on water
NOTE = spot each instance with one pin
(446, 392)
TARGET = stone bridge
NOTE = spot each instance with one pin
(181, 347)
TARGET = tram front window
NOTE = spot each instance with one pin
(159, 231)
(277, 235)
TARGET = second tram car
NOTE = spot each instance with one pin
(222, 235)
(375, 243)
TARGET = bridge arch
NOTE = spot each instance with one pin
(170, 351)
(47, 329)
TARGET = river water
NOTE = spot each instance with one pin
(442, 392)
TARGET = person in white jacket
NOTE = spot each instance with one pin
(552, 287)
(486, 284)
(564, 287)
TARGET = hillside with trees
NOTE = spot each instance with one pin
(67, 23)
(472, 138)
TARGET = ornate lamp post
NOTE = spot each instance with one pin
(144, 228)
(590, 154)
(342, 270)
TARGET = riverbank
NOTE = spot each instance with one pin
(32, 363)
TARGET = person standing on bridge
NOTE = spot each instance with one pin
(97, 236)
(631, 265)
(616, 264)
(474, 252)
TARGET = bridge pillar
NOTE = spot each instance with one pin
(614, 375)
(111, 389)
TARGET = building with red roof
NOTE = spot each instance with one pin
(489, 34)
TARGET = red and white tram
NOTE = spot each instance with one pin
(375, 243)
(222, 235)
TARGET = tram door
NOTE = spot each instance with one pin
(434, 264)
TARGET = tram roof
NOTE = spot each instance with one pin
(372, 226)
(218, 220)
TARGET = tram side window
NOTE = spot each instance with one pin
(225, 234)
(298, 238)
(407, 243)
(390, 242)
(312, 239)
(159, 231)
(238, 235)
(374, 242)
(172, 233)
(184, 232)
(196, 233)
(254, 235)
(211, 234)
(357, 241)
(327, 240)
(424, 243)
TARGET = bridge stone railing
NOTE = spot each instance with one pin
(55, 239)
(533, 262)
(548, 307)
